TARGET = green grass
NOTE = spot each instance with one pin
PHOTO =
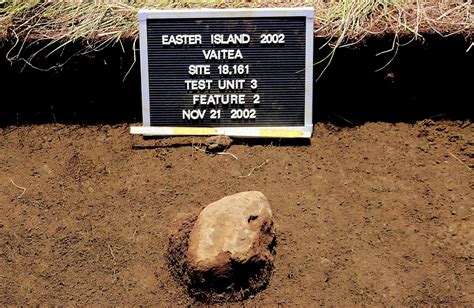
(342, 23)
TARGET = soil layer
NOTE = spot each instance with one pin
(374, 214)
(369, 82)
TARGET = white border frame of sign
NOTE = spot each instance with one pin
(279, 132)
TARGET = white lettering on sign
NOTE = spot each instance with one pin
(181, 39)
(240, 69)
(222, 54)
(215, 114)
(221, 39)
(199, 70)
(230, 84)
(198, 84)
(272, 38)
(226, 71)
(193, 114)
(243, 114)
(216, 99)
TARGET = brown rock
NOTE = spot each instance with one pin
(230, 248)
(231, 229)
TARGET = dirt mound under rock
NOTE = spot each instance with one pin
(231, 276)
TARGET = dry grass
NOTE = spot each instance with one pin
(344, 22)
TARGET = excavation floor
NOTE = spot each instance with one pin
(376, 214)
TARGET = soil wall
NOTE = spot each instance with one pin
(427, 78)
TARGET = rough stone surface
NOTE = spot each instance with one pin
(231, 229)
(229, 250)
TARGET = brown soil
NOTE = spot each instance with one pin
(375, 214)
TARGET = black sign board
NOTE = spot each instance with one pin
(242, 72)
